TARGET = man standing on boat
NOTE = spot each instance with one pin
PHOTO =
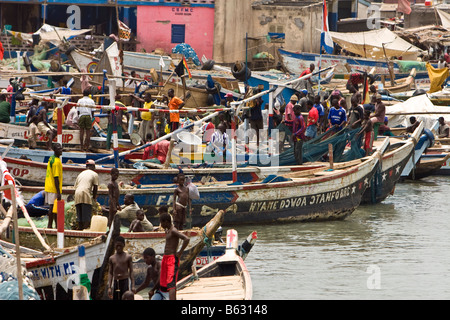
(313, 119)
(171, 260)
(53, 182)
(44, 128)
(5, 109)
(118, 119)
(337, 115)
(85, 120)
(146, 125)
(309, 81)
(298, 134)
(289, 112)
(86, 186)
(175, 104)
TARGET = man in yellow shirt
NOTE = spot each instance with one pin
(175, 104)
(53, 182)
(146, 125)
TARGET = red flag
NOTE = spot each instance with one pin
(1, 51)
(404, 6)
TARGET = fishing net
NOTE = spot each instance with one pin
(9, 285)
(315, 149)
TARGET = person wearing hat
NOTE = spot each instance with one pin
(86, 186)
(303, 100)
(289, 112)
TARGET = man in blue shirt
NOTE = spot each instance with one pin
(337, 115)
(321, 111)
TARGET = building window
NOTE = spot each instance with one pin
(178, 33)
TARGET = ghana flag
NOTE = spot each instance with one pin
(182, 66)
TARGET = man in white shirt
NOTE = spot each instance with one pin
(85, 120)
(219, 142)
(86, 187)
(72, 118)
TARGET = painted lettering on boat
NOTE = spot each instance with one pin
(18, 172)
(296, 202)
(56, 271)
(66, 137)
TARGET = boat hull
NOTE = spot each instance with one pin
(327, 195)
(388, 173)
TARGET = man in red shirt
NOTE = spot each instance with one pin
(308, 71)
(158, 151)
(313, 118)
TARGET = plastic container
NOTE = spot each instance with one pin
(99, 224)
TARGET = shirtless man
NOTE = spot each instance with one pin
(120, 271)
(180, 202)
(171, 259)
(44, 128)
(114, 193)
(152, 276)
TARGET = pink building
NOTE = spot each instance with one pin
(165, 26)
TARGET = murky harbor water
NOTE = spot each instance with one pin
(394, 250)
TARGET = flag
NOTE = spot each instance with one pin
(124, 31)
(404, 6)
(325, 38)
(437, 77)
(161, 62)
(181, 67)
(366, 96)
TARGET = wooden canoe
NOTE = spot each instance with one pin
(309, 195)
(393, 162)
(226, 278)
(135, 243)
(429, 164)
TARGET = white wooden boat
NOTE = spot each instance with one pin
(226, 278)
(136, 242)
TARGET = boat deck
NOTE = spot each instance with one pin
(221, 288)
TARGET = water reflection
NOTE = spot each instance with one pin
(405, 238)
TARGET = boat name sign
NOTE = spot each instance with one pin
(302, 200)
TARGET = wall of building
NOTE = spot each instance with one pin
(235, 18)
(154, 28)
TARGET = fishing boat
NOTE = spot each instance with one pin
(218, 248)
(308, 195)
(42, 156)
(136, 243)
(430, 164)
(226, 278)
(393, 162)
(70, 137)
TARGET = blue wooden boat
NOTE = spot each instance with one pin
(311, 195)
(297, 62)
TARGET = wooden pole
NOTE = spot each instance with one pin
(60, 223)
(16, 235)
(169, 153)
(330, 155)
